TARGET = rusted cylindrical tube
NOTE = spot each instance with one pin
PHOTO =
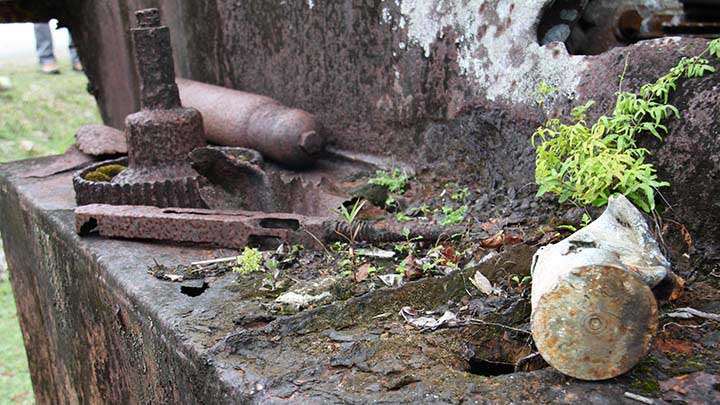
(593, 311)
(234, 118)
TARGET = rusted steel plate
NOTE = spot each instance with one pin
(72, 159)
(595, 324)
(99, 140)
(232, 229)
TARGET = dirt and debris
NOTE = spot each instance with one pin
(695, 388)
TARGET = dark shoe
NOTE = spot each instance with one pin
(50, 68)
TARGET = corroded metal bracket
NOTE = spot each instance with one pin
(232, 229)
(236, 228)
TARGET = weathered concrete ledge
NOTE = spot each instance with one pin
(99, 328)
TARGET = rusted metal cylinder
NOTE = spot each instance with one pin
(593, 311)
(285, 135)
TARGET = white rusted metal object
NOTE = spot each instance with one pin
(594, 314)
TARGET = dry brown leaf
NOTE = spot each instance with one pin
(362, 273)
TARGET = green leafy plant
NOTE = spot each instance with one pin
(587, 163)
(453, 216)
(408, 246)
(338, 247)
(714, 48)
(460, 194)
(526, 280)
(402, 217)
(395, 180)
(249, 261)
(272, 264)
(401, 268)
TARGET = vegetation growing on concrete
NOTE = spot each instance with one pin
(588, 162)
(395, 180)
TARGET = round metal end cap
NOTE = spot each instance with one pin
(596, 324)
(311, 142)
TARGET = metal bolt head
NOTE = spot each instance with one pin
(147, 18)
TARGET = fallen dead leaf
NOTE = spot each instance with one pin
(493, 242)
(362, 273)
(492, 226)
(450, 255)
(483, 284)
(412, 271)
(674, 346)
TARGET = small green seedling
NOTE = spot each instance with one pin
(453, 216)
(522, 281)
(250, 261)
(542, 91)
(395, 180)
(401, 268)
(349, 216)
(402, 217)
(460, 195)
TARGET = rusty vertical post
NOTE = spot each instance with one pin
(154, 62)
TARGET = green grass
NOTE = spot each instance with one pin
(38, 116)
(15, 386)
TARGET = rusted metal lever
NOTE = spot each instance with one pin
(235, 228)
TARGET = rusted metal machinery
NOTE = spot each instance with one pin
(232, 229)
(696, 18)
(285, 135)
(160, 190)
(593, 27)
(159, 137)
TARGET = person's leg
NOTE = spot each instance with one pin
(44, 46)
(74, 59)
